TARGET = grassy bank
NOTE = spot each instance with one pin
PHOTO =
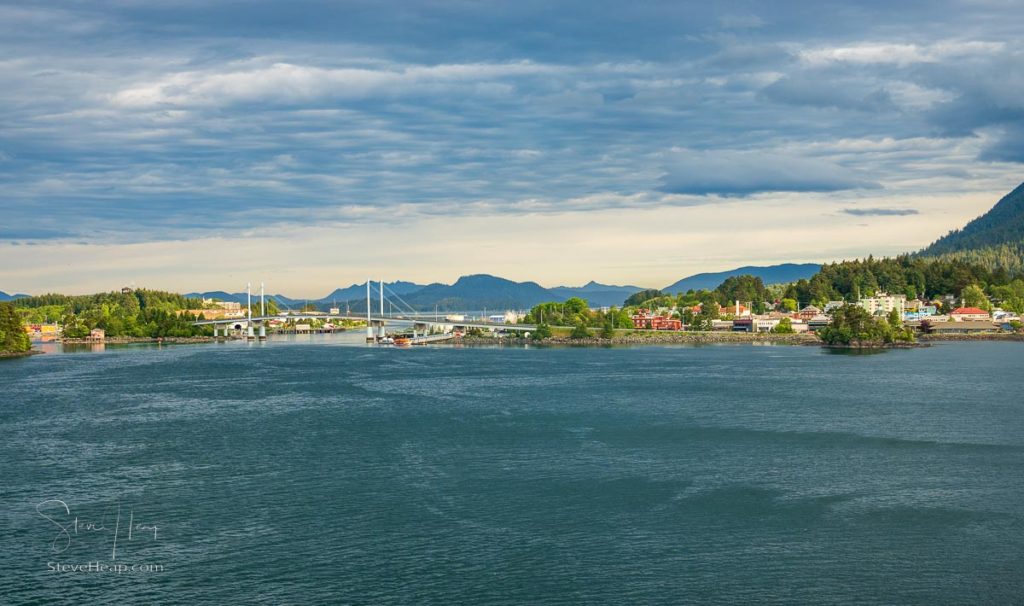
(123, 340)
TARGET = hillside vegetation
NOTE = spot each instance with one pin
(140, 313)
(994, 240)
(13, 338)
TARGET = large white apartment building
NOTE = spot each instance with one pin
(882, 304)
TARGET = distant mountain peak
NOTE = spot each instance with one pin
(769, 274)
(6, 297)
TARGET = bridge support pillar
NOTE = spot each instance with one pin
(263, 332)
(215, 335)
(248, 332)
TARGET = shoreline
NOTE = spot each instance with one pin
(126, 340)
(985, 336)
(737, 338)
(659, 338)
(13, 355)
(652, 338)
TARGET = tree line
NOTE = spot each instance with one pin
(13, 338)
(138, 313)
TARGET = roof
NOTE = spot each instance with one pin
(973, 325)
(968, 311)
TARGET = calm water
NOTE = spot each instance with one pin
(299, 473)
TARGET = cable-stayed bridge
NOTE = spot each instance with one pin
(424, 325)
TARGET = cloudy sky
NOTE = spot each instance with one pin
(199, 145)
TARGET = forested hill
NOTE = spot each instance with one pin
(1000, 230)
(139, 313)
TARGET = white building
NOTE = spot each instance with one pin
(883, 304)
(831, 306)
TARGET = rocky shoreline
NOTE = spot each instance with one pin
(709, 338)
(986, 336)
(10, 355)
(658, 338)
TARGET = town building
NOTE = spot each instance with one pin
(922, 312)
(643, 319)
(743, 325)
(883, 304)
(1004, 316)
(818, 322)
(964, 327)
(42, 332)
(736, 310)
(831, 306)
(213, 314)
(228, 305)
(807, 313)
(967, 314)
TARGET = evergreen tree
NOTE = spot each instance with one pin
(13, 337)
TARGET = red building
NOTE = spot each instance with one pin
(645, 320)
(961, 314)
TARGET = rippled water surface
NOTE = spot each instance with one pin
(315, 473)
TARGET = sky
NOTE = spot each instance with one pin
(196, 145)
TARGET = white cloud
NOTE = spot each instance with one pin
(899, 54)
(291, 83)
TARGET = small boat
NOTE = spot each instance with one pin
(402, 341)
(385, 341)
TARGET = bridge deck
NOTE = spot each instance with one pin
(373, 320)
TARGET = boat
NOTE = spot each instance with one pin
(402, 341)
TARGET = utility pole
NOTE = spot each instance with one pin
(248, 296)
(369, 327)
(263, 314)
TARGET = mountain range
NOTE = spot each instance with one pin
(769, 274)
(483, 291)
(6, 297)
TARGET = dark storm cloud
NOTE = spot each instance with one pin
(847, 95)
(143, 120)
(745, 173)
(880, 212)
